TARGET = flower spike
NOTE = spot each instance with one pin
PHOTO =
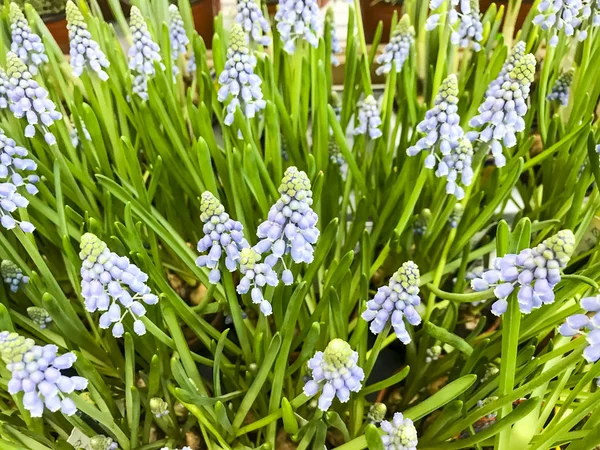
(143, 54)
(27, 45)
(398, 49)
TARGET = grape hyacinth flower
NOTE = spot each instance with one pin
(584, 324)
(14, 182)
(398, 49)
(433, 354)
(28, 99)
(561, 15)
(502, 111)
(256, 276)
(110, 282)
(74, 134)
(143, 54)
(335, 371)
(37, 371)
(398, 301)
(191, 63)
(335, 154)
(221, 233)
(12, 275)
(470, 28)
(238, 80)
(336, 48)
(399, 434)
(84, 51)
(39, 316)
(159, 407)
(290, 227)
(368, 118)
(27, 45)
(250, 17)
(298, 19)
(534, 272)
(101, 442)
(177, 36)
(560, 90)
(445, 136)
(14, 165)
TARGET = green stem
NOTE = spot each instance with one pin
(511, 322)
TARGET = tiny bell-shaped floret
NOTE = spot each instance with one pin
(85, 53)
(560, 90)
(113, 285)
(399, 434)
(12, 275)
(39, 316)
(223, 236)
(29, 100)
(101, 442)
(534, 272)
(368, 118)
(398, 49)
(433, 354)
(27, 45)
(396, 301)
(250, 17)
(240, 86)
(335, 371)
(159, 407)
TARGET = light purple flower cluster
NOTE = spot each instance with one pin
(398, 49)
(252, 20)
(111, 283)
(445, 135)
(368, 118)
(336, 48)
(298, 19)
(28, 99)
(238, 79)
(562, 15)
(534, 272)
(470, 28)
(177, 36)
(159, 407)
(335, 371)
(84, 51)
(397, 300)
(37, 372)
(291, 225)
(562, 87)
(74, 134)
(584, 324)
(257, 275)
(27, 45)
(399, 434)
(14, 182)
(221, 233)
(504, 107)
(143, 54)
(12, 275)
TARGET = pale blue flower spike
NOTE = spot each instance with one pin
(26, 44)
(399, 433)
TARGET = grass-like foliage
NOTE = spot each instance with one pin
(226, 250)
